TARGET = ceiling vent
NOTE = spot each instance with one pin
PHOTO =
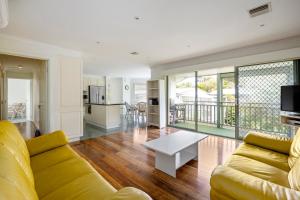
(134, 53)
(260, 10)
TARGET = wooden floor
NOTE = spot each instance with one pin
(122, 160)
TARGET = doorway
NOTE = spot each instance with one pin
(23, 92)
(19, 100)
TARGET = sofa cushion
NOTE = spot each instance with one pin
(46, 142)
(269, 157)
(295, 149)
(89, 186)
(14, 143)
(70, 177)
(294, 176)
(14, 182)
(238, 185)
(267, 141)
(50, 158)
(258, 169)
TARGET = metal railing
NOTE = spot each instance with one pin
(252, 116)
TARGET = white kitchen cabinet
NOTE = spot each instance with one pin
(99, 115)
(105, 116)
(114, 90)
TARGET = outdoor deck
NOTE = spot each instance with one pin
(209, 129)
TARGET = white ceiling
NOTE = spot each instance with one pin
(168, 30)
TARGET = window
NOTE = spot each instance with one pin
(140, 92)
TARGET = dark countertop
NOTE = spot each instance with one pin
(106, 104)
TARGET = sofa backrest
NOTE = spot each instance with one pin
(16, 178)
(294, 150)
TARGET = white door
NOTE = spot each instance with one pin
(71, 96)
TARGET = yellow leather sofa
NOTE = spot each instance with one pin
(263, 167)
(46, 167)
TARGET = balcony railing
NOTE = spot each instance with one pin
(252, 116)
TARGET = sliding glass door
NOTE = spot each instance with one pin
(216, 99)
(230, 104)
(181, 100)
(203, 103)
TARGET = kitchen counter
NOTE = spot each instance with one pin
(106, 116)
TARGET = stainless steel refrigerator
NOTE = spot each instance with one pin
(96, 94)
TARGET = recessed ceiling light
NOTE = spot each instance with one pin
(134, 53)
(262, 25)
(20, 66)
(137, 18)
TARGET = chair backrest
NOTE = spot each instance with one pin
(142, 106)
(127, 106)
(16, 178)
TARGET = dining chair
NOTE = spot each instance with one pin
(130, 110)
(141, 109)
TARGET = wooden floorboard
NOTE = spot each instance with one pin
(122, 160)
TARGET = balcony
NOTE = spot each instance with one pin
(220, 118)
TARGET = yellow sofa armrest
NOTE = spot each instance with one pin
(267, 141)
(46, 142)
(129, 193)
(235, 184)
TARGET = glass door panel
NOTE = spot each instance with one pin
(214, 110)
(227, 103)
(181, 102)
(207, 93)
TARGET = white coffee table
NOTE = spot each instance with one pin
(174, 150)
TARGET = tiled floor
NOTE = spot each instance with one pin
(127, 125)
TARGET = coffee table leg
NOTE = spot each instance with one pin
(195, 150)
(166, 163)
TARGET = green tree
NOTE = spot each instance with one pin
(184, 85)
(208, 84)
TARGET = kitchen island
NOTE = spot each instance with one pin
(106, 116)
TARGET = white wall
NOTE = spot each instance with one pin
(114, 90)
(32, 49)
(127, 93)
(273, 51)
(92, 80)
